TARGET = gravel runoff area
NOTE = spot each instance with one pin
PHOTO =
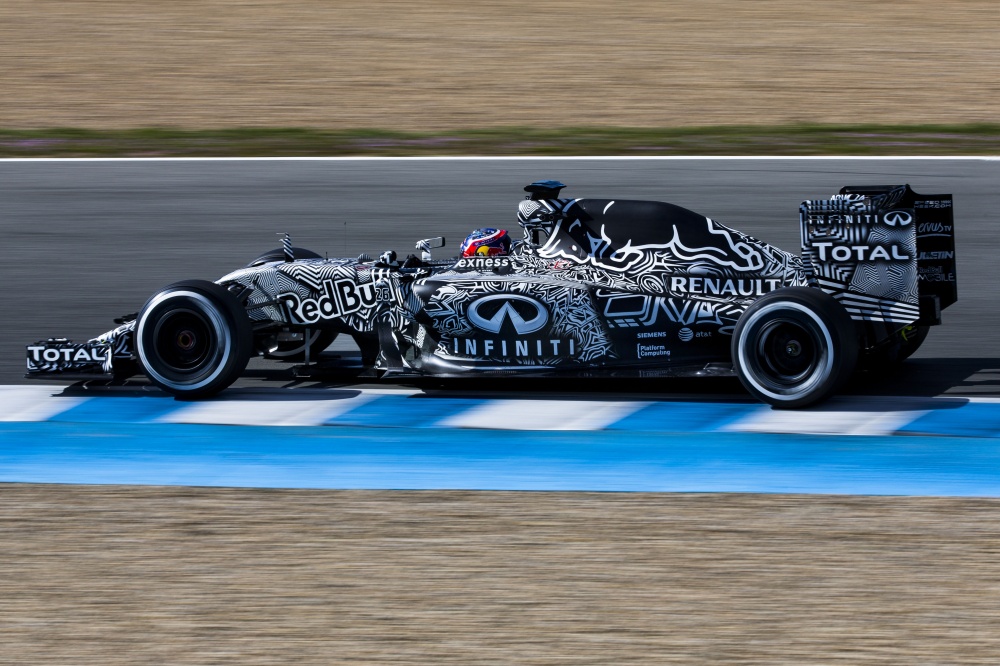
(141, 575)
(443, 65)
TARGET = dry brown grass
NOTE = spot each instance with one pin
(443, 64)
(92, 575)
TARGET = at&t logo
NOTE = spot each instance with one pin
(687, 335)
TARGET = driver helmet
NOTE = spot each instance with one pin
(486, 243)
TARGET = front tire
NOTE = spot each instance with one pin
(193, 339)
(794, 347)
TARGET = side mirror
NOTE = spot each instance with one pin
(431, 243)
(425, 246)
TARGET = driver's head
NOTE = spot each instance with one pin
(486, 243)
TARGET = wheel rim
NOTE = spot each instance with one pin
(786, 352)
(183, 340)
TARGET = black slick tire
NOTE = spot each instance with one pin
(794, 347)
(193, 339)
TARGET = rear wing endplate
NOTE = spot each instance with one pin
(935, 227)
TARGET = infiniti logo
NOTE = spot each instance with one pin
(897, 218)
(525, 314)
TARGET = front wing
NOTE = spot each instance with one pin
(98, 356)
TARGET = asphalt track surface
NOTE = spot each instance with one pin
(85, 241)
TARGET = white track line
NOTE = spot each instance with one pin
(542, 415)
(281, 412)
(824, 423)
(33, 403)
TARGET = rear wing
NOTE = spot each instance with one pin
(885, 252)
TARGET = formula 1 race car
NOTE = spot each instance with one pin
(597, 287)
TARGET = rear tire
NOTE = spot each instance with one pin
(193, 339)
(794, 347)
